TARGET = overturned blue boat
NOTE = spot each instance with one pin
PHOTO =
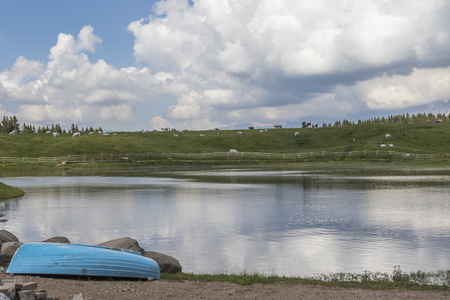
(81, 260)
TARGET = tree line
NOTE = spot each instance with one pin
(11, 124)
(397, 119)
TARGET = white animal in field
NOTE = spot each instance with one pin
(76, 134)
(239, 133)
(233, 151)
(55, 134)
(388, 136)
(297, 134)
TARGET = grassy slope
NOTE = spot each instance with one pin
(419, 138)
(7, 192)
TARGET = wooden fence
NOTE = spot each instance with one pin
(114, 157)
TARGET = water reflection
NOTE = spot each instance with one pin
(283, 222)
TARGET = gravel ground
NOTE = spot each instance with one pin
(66, 289)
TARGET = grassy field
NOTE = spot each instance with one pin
(418, 138)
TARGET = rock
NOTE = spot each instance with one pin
(26, 286)
(40, 295)
(6, 236)
(166, 263)
(124, 243)
(26, 295)
(78, 297)
(57, 239)
(9, 289)
(8, 250)
(4, 297)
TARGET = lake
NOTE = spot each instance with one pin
(216, 220)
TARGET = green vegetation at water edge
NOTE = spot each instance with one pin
(417, 138)
(7, 192)
(439, 280)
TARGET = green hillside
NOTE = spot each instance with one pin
(418, 138)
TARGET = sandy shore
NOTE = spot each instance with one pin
(66, 289)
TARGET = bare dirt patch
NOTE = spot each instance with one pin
(67, 288)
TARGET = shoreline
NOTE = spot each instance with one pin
(97, 289)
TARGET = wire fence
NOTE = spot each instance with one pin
(115, 157)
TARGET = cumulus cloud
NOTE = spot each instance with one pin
(401, 91)
(257, 61)
(69, 88)
(300, 57)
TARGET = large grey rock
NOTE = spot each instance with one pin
(166, 263)
(7, 251)
(6, 236)
(124, 243)
(57, 239)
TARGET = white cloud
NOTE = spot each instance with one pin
(257, 61)
(2, 111)
(71, 89)
(294, 54)
(422, 86)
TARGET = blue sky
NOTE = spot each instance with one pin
(31, 28)
(132, 65)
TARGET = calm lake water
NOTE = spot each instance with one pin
(235, 220)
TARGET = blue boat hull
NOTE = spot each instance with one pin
(81, 260)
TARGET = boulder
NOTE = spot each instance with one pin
(124, 243)
(6, 236)
(166, 263)
(57, 239)
(7, 252)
